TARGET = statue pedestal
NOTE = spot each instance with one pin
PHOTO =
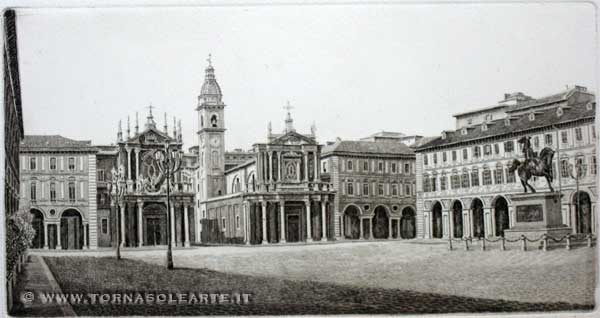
(537, 214)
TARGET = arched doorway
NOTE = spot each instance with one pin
(407, 223)
(351, 223)
(501, 216)
(437, 230)
(37, 222)
(583, 212)
(457, 219)
(478, 218)
(71, 230)
(155, 224)
(380, 223)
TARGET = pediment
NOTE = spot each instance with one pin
(293, 138)
(150, 136)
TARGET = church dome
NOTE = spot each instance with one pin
(210, 86)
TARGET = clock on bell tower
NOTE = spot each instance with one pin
(211, 137)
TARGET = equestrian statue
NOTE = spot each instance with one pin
(533, 165)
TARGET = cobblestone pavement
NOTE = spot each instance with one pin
(421, 266)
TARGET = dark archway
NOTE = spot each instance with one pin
(37, 222)
(351, 223)
(154, 223)
(457, 219)
(583, 212)
(380, 223)
(437, 230)
(407, 224)
(501, 221)
(71, 230)
(478, 218)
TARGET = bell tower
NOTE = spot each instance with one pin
(211, 137)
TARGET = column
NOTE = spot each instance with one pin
(279, 166)
(370, 228)
(306, 166)
(308, 225)
(398, 236)
(493, 222)
(186, 227)
(487, 217)
(362, 235)
(197, 224)
(122, 219)
(270, 168)
(324, 220)
(128, 163)
(467, 217)
(85, 232)
(451, 223)
(282, 221)
(246, 220)
(316, 166)
(342, 227)
(58, 247)
(140, 224)
(45, 235)
(389, 228)
(264, 221)
(172, 227)
(137, 164)
(445, 224)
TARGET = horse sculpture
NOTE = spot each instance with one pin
(533, 166)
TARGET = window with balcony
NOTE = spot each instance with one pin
(426, 183)
(509, 146)
(366, 166)
(465, 154)
(435, 158)
(434, 183)
(499, 175)
(349, 165)
(393, 167)
(365, 189)
(536, 142)
(578, 134)
(487, 176)
(453, 155)
(510, 177)
(465, 179)
(350, 188)
(455, 180)
(33, 191)
(52, 191)
(406, 168)
(394, 189)
(425, 159)
(380, 189)
(444, 157)
(564, 168)
(71, 163)
(487, 150)
(475, 177)
(380, 166)
(476, 152)
(564, 137)
(53, 163)
(32, 163)
(496, 149)
(407, 189)
(101, 176)
(443, 181)
(548, 139)
(72, 191)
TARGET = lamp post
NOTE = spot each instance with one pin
(576, 172)
(116, 192)
(170, 163)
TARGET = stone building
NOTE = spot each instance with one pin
(58, 179)
(273, 194)
(463, 182)
(375, 187)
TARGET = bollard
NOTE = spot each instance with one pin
(502, 246)
(466, 244)
(545, 243)
(483, 243)
(568, 240)
(589, 240)
(450, 244)
(523, 243)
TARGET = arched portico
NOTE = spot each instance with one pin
(408, 223)
(501, 216)
(37, 222)
(582, 210)
(477, 215)
(457, 219)
(351, 222)
(381, 222)
(71, 230)
(437, 228)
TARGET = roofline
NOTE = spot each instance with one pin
(478, 110)
(365, 154)
(241, 165)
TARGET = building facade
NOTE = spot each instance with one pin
(58, 180)
(463, 180)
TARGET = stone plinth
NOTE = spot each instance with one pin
(537, 214)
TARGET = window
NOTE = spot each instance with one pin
(426, 181)
(349, 165)
(476, 152)
(510, 177)
(365, 190)
(394, 189)
(443, 181)
(223, 224)
(579, 162)
(350, 188)
(564, 168)
(101, 175)
(366, 166)
(425, 160)
(237, 222)
(548, 139)
(498, 175)
(444, 157)
(453, 155)
(32, 163)
(487, 150)
(465, 179)
(465, 154)
(393, 167)
(434, 183)
(487, 176)
(563, 137)
(380, 166)
(435, 158)
(578, 135)
(407, 189)
(594, 131)
(324, 167)
(53, 163)
(509, 146)
(496, 149)
(380, 189)
(33, 191)
(52, 191)
(406, 168)
(536, 141)
(455, 180)
(72, 191)
(475, 177)
(593, 168)
(71, 163)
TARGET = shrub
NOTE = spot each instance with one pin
(19, 235)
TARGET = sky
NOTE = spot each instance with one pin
(353, 70)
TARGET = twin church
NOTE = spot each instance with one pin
(286, 189)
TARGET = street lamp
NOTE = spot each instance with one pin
(116, 192)
(577, 172)
(170, 162)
